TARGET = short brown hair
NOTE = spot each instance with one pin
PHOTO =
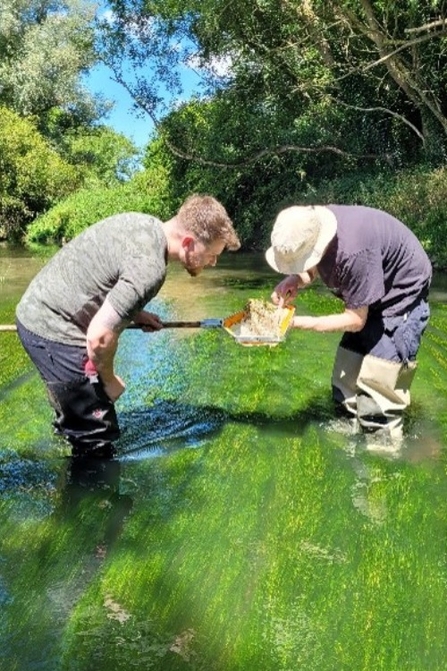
(208, 220)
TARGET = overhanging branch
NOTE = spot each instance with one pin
(256, 156)
(381, 109)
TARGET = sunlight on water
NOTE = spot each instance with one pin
(242, 527)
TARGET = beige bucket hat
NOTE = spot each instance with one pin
(299, 238)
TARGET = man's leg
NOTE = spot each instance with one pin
(383, 354)
(388, 371)
(344, 380)
(85, 415)
(384, 394)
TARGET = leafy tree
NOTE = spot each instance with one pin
(380, 65)
(44, 48)
(252, 191)
(33, 177)
(145, 192)
(103, 156)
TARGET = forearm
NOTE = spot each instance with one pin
(101, 349)
(102, 340)
(345, 321)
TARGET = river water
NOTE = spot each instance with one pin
(237, 530)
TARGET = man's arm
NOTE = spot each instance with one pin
(102, 341)
(352, 319)
(287, 289)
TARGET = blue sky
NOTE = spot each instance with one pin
(122, 118)
(137, 126)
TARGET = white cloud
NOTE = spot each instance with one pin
(217, 67)
(108, 17)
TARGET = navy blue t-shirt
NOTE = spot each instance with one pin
(375, 261)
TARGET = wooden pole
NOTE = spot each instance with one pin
(195, 324)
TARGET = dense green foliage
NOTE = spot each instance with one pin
(145, 193)
(51, 141)
(44, 46)
(33, 175)
(367, 78)
(299, 101)
(102, 157)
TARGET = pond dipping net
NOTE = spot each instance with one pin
(259, 323)
(261, 319)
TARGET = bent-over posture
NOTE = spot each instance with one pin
(73, 312)
(377, 266)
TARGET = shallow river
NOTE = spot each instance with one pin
(238, 530)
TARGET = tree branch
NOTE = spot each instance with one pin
(403, 46)
(272, 151)
(381, 109)
(427, 26)
(399, 71)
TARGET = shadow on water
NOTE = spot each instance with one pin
(69, 514)
(169, 425)
(18, 473)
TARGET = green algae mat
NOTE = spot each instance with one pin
(237, 531)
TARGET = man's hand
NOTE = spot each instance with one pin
(148, 321)
(285, 291)
(114, 387)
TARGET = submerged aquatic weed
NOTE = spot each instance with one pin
(274, 544)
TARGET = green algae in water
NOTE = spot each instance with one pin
(272, 544)
(267, 559)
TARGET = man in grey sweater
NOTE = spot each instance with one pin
(378, 268)
(73, 312)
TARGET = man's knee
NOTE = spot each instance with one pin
(344, 379)
(85, 416)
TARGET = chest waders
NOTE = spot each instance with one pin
(374, 390)
(374, 369)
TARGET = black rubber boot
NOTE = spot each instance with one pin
(100, 450)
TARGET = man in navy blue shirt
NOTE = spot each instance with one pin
(378, 268)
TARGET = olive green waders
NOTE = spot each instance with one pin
(375, 391)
